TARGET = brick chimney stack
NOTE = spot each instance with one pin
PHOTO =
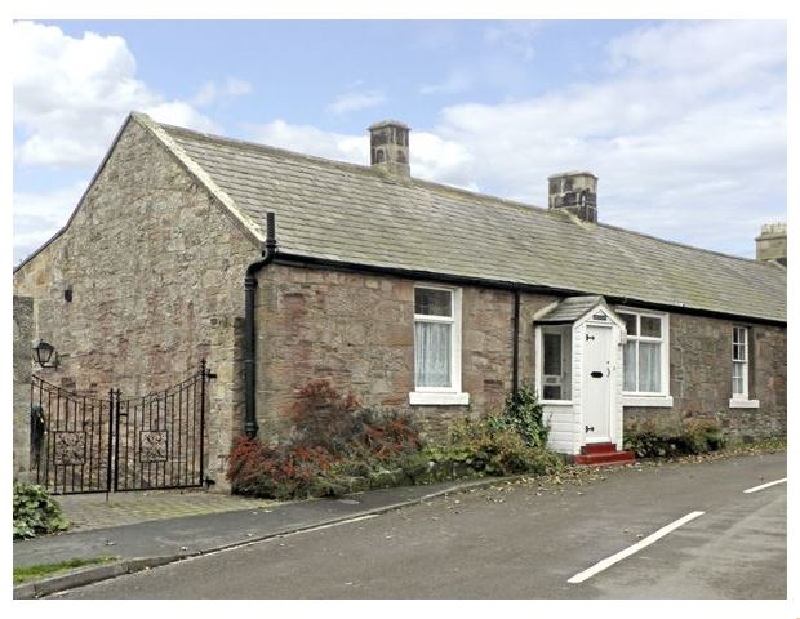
(388, 148)
(575, 192)
(771, 244)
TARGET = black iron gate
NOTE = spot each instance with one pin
(83, 444)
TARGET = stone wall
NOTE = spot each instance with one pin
(156, 269)
(23, 341)
(701, 369)
(358, 331)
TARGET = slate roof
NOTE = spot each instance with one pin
(341, 211)
(569, 309)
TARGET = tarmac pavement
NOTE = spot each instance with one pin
(161, 528)
(143, 530)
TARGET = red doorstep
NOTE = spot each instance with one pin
(597, 448)
(598, 454)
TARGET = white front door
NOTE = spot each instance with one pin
(597, 348)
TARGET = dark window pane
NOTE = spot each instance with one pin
(432, 302)
(651, 327)
(551, 392)
(552, 354)
(630, 322)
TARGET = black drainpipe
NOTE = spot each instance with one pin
(515, 362)
(250, 283)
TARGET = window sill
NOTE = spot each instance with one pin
(556, 402)
(743, 403)
(662, 401)
(437, 398)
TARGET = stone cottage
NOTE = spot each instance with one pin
(277, 268)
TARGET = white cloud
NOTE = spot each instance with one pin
(516, 36)
(72, 94)
(444, 161)
(700, 47)
(432, 158)
(355, 101)
(38, 215)
(683, 122)
(312, 141)
(457, 81)
(693, 151)
(231, 88)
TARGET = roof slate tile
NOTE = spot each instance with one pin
(330, 209)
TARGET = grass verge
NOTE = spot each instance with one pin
(37, 572)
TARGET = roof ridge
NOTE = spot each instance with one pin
(679, 244)
(356, 167)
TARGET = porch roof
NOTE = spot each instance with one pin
(570, 309)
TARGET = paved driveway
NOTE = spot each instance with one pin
(520, 542)
(87, 512)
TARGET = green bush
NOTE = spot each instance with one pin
(696, 436)
(702, 436)
(488, 446)
(35, 512)
(505, 452)
(524, 415)
(338, 446)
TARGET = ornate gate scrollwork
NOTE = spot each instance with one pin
(84, 444)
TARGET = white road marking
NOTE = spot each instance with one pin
(762, 486)
(608, 562)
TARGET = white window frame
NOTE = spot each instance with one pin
(539, 344)
(741, 400)
(443, 396)
(648, 398)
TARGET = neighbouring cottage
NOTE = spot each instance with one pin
(277, 268)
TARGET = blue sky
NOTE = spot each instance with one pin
(684, 122)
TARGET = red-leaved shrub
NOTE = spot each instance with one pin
(329, 429)
(280, 472)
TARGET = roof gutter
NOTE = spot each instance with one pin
(250, 283)
(270, 255)
(304, 261)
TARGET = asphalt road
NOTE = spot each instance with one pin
(519, 542)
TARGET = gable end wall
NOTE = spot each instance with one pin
(156, 270)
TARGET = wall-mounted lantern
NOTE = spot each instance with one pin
(45, 354)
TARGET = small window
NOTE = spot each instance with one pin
(645, 354)
(556, 378)
(740, 363)
(434, 327)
